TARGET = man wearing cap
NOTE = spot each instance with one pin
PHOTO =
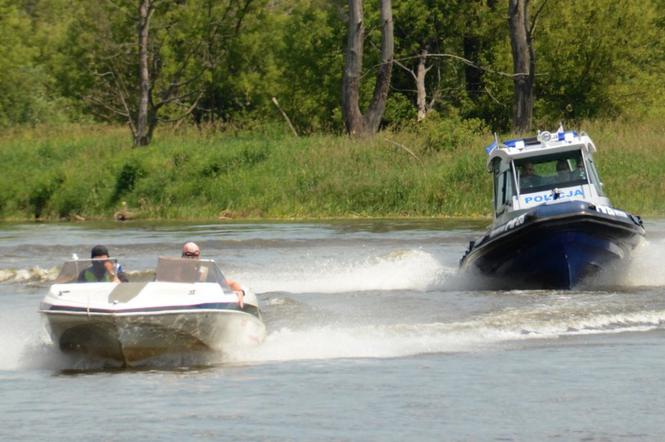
(191, 250)
(102, 269)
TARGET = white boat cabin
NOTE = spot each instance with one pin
(550, 168)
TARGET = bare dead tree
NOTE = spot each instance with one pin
(353, 118)
(419, 76)
(524, 61)
(421, 97)
(356, 123)
(424, 107)
(144, 127)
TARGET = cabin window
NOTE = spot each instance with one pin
(595, 179)
(497, 185)
(504, 188)
(536, 174)
(507, 187)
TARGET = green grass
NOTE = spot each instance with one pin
(64, 172)
(631, 163)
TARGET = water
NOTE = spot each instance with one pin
(372, 335)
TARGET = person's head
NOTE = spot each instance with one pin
(99, 252)
(190, 250)
(528, 169)
(562, 166)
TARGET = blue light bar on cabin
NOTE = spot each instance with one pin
(521, 142)
(518, 143)
(561, 136)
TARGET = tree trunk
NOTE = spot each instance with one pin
(353, 59)
(356, 123)
(523, 64)
(378, 104)
(144, 125)
(421, 97)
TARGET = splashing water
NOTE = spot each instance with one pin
(33, 274)
(399, 270)
(646, 266)
(537, 322)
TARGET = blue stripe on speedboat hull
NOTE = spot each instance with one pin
(230, 306)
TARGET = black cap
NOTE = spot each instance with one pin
(99, 251)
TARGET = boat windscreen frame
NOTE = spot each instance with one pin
(504, 182)
(592, 173)
(188, 270)
(71, 270)
(562, 174)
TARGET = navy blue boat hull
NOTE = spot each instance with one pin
(554, 246)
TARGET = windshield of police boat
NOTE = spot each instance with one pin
(560, 170)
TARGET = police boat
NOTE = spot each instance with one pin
(186, 313)
(553, 225)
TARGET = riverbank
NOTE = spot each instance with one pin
(94, 172)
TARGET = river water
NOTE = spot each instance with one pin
(372, 335)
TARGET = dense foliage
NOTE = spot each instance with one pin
(77, 61)
(93, 172)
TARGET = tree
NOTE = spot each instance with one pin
(600, 59)
(145, 121)
(450, 52)
(478, 28)
(25, 97)
(124, 67)
(524, 64)
(423, 28)
(356, 123)
(309, 65)
(240, 41)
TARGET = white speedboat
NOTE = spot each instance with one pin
(188, 308)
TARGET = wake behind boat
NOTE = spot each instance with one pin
(188, 308)
(553, 225)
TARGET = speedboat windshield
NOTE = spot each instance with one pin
(189, 271)
(71, 271)
(565, 169)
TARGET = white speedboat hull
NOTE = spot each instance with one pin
(131, 324)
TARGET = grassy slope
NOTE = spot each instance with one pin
(89, 172)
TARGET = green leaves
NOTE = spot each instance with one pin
(225, 60)
(596, 58)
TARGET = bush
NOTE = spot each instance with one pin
(448, 134)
